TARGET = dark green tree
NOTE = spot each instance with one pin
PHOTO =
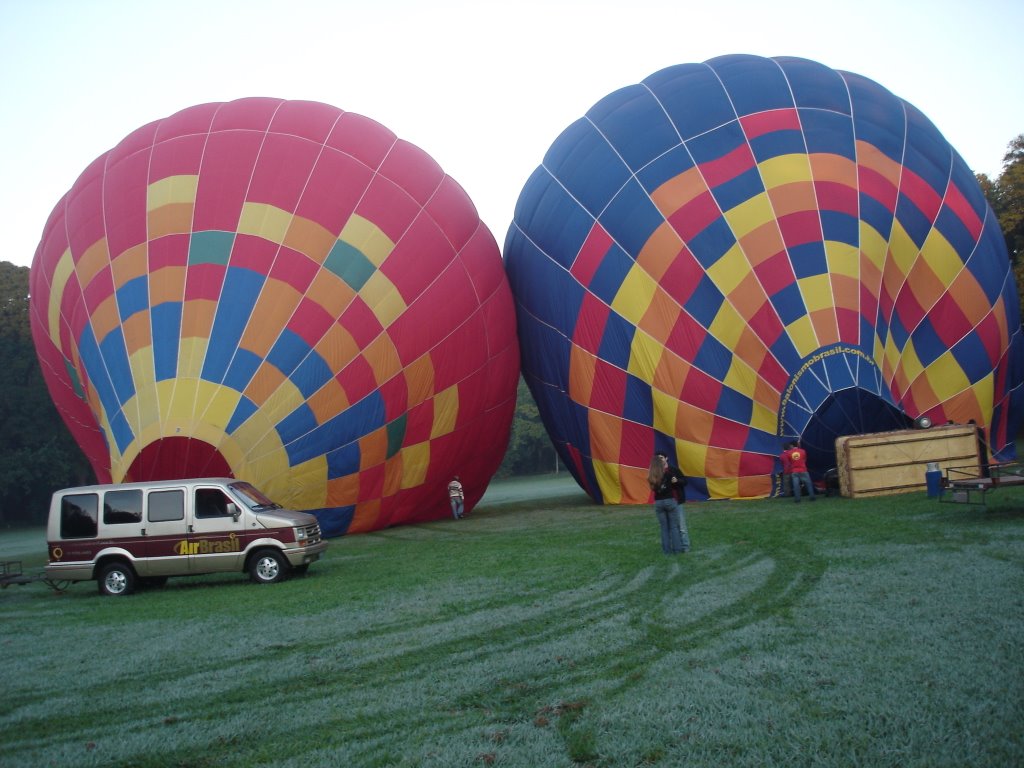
(37, 454)
(1006, 196)
(530, 451)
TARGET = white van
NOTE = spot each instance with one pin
(121, 535)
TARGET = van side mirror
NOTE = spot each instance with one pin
(233, 510)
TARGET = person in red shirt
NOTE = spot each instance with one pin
(794, 461)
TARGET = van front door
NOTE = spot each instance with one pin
(214, 535)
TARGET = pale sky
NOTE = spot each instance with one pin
(483, 87)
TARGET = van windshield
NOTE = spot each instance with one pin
(253, 497)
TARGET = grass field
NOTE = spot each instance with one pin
(545, 631)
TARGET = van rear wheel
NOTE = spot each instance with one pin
(116, 579)
(268, 566)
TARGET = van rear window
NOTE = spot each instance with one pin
(78, 515)
(122, 507)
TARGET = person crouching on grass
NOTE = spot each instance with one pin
(667, 481)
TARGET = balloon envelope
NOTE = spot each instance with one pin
(283, 292)
(737, 253)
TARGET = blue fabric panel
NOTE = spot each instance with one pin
(547, 354)
(234, 310)
(311, 374)
(808, 260)
(166, 326)
(840, 227)
(951, 228)
(739, 190)
(704, 303)
(617, 341)
(336, 521)
(875, 215)
(132, 297)
(243, 368)
(288, 351)
(631, 218)
(115, 358)
(354, 422)
(828, 133)
(673, 163)
(777, 143)
(898, 331)
(587, 166)
(970, 354)
(609, 276)
(123, 434)
(927, 344)
(243, 411)
(635, 125)
(789, 304)
(916, 224)
(815, 86)
(709, 245)
(877, 116)
(549, 220)
(638, 405)
(343, 461)
(927, 154)
(735, 406)
(713, 358)
(693, 97)
(717, 143)
(296, 424)
(755, 84)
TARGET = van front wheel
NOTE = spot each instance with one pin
(116, 579)
(268, 566)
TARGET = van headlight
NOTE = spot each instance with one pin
(301, 535)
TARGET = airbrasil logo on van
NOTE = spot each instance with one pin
(207, 546)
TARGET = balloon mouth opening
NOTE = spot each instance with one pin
(178, 458)
(848, 412)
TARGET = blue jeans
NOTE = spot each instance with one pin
(456, 507)
(672, 521)
(805, 478)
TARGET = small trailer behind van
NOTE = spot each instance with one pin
(142, 533)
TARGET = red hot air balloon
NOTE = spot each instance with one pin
(286, 293)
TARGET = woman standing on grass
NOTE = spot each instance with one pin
(666, 481)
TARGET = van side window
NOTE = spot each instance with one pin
(78, 515)
(166, 505)
(122, 507)
(211, 502)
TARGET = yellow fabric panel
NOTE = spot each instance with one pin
(727, 326)
(171, 190)
(298, 487)
(665, 408)
(902, 250)
(801, 334)
(817, 292)
(367, 238)
(167, 285)
(95, 259)
(329, 292)
(383, 298)
(723, 487)
(984, 391)
(63, 270)
(282, 401)
(265, 221)
(605, 436)
(415, 462)
(764, 418)
(180, 409)
(784, 169)
(644, 355)
(740, 377)
(582, 365)
(873, 247)
(130, 264)
(173, 219)
(752, 213)
(730, 270)
(634, 295)
(946, 377)
(660, 250)
(261, 438)
(191, 354)
(419, 380)
(692, 457)
(104, 318)
(143, 409)
(607, 474)
(446, 411)
(220, 404)
(678, 191)
(941, 257)
(309, 238)
(842, 258)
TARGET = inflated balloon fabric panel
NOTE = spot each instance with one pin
(287, 292)
(733, 254)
